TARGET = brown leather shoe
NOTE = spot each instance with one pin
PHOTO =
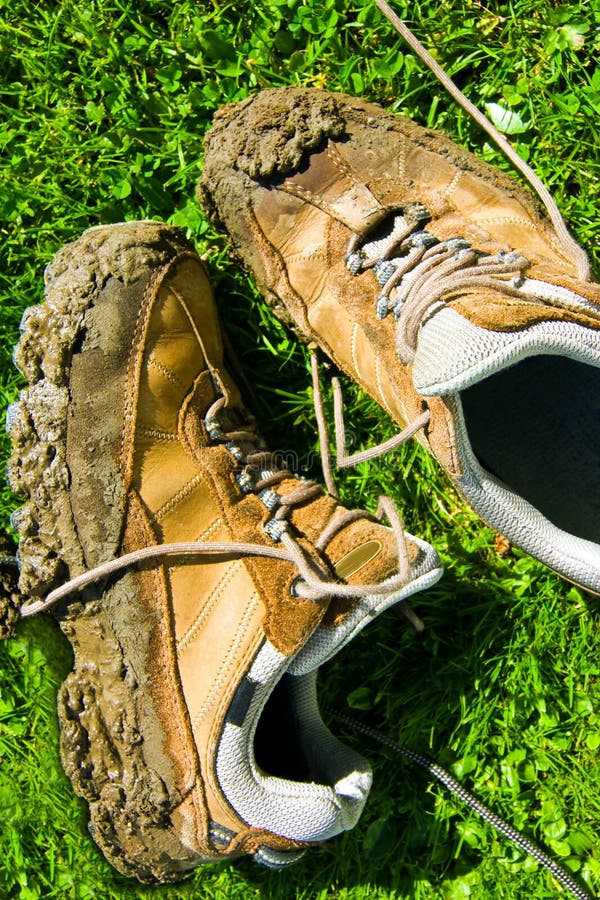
(435, 282)
(200, 585)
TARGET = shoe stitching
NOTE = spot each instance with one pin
(168, 373)
(329, 224)
(340, 164)
(214, 596)
(326, 205)
(318, 200)
(181, 494)
(379, 383)
(194, 329)
(223, 673)
(275, 269)
(134, 369)
(176, 702)
(353, 339)
(452, 186)
(211, 529)
(157, 434)
(518, 221)
(201, 813)
(207, 533)
(302, 193)
(402, 160)
(316, 253)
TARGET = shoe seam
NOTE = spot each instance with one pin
(182, 494)
(215, 594)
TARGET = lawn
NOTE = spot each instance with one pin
(104, 105)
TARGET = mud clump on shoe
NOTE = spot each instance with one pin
(273, 133)
(255, 146)
(10, 596)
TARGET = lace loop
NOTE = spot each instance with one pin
(341, 459)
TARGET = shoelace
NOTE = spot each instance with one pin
(343, 461)
(314, 582)
(421, 271)
(571, 248)
(444, 777)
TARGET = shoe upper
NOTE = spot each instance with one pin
(132, 435)
(435, 281)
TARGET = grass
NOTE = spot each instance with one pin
(104, 104)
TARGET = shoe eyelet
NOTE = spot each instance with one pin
(245, 482)
(270, 498)
(235, 451)
(213, 429)
(294, 587)
(275, 528)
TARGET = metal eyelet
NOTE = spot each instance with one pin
(275, 528)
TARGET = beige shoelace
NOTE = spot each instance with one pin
(343, 461)
(314, 581)
(426, 272)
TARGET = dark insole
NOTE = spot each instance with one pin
(277, 746)
(536, 427)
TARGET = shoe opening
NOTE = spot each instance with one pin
(282, 769)
(278, 741)
(536, 427)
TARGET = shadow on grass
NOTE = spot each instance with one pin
(443, 692)
(429, 693)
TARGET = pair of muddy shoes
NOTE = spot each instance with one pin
(202, 585)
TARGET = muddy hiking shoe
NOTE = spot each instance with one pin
(200, 585)
(435, 282)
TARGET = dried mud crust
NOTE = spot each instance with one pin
(104, 710)
(100, 708)
(276, 128)
(270, 134)
(10, 597)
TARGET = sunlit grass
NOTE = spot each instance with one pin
(104, 106)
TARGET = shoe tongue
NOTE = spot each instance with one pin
(342, 624)
(454, 353)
